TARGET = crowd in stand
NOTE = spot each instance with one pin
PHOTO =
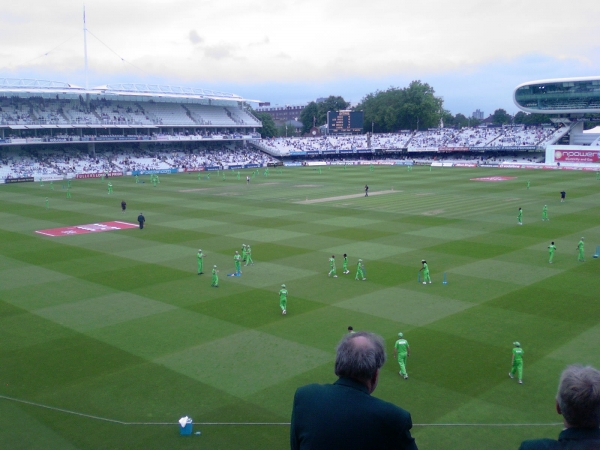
(415, 141)
(36, 163)
(50, 111)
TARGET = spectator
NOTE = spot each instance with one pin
(578, 401)
(344, 415)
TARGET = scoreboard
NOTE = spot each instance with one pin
(345, 121)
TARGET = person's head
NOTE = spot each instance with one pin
(345, 255)
(582, 238)
(283, 286)
(552, 243)
(350, 329)
(578, 397)
(400, 335)
(517, 344)
(360, 356)
(423, 261)
(236, 252)
(333, 256)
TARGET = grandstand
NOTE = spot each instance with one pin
(509, 138)
(44, 108)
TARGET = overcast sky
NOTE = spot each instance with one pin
(472, 52)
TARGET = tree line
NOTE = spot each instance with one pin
(415, 107)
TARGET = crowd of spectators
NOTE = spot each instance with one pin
(414, 141)
(68, 163)
(51, 111)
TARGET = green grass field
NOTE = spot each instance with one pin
(118, 325)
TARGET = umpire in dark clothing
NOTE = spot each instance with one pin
(344, 415)
(141, 220)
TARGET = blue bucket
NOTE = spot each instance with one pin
(186, 430)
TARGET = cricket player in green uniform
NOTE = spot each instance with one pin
(359, 271)
(402, 351)
(68, 192)
(545, 213)
(580, 248)
(528, 184)
(425, 270)
(520, 217)
(517, 362)
(244, 253)
(109, 187)
(237, 259)
(345, 265)
(200, 261)
(69, 184)
(215, 277)
(51, 186)
(551, 250)
(332, 267)
(137, 179)
(249, 256)
(283, 299)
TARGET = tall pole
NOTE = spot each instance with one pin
(85, 49)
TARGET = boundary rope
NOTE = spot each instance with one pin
(104, 419)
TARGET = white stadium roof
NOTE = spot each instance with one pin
(14, 86)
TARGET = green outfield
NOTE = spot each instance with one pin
(117, 325)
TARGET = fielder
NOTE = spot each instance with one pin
(215, 277)
(551, 250)
(237, 259)
(520, 217)
(200, 261)
(283, 299)
(345, 265)
(402, 351)
(425, 270)
(545, 213)
(359, 271)
(580, 249)
(249, 256)
(332, 267)
(517, 362)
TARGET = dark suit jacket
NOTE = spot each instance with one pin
(568, 439)
(344, 416)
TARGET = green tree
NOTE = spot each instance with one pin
(309, 114)
(415, 106)
(318, 111)
(268, 128)
(501, 117)
(531, 119)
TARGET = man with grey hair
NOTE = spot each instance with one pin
(578, 401)
(344, 415)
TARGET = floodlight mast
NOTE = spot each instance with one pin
(85, 57)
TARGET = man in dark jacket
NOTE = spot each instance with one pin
(344, 415)
(141, 220)
(578, 401)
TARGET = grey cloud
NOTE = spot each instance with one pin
(219, 51)
(264, 41)
(195, 38)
